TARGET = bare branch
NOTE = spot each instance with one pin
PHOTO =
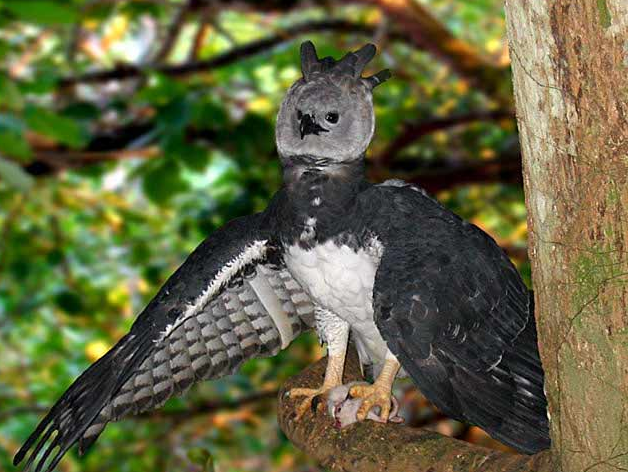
(113, 145)
(412, 131)
(220, 60)
(200, 34)
(172, 33)
(506, 168)
(373, 447)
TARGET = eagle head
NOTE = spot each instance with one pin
(327, 115)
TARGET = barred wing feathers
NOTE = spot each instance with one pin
(232, 300)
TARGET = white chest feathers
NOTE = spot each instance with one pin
(337, 278)
(341, 280)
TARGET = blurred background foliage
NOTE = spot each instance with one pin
(130, 130)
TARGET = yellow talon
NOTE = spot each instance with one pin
(373, 396)
(310, 394)
(333, 378)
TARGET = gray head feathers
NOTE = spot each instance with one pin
(327, 115)
(350, 66)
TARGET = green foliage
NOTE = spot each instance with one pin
(41, 12)
(88, 233)
(10, 96)
(14, 176)
(13, 142)
(53, 125)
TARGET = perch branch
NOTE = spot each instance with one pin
(373, 447)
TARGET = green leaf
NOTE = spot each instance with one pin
(193, 156)
(136, 9)
(12, 122)
(160, 90)
(70, 302)
(99, 11)
(5, 47)
(12, 143)
(254, 136)
(55, 126)
(174, 116)
(163, 181)
(202, 457)
(208, 114)
(45, 81)
(82, 111)
(10, 96)
(15, 176)
(46, 12)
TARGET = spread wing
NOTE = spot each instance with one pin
(455, 312)
(230, 301)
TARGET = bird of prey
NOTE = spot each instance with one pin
(421, 292)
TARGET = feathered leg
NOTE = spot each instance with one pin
(335, 332)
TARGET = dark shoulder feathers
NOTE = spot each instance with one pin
(455, 312)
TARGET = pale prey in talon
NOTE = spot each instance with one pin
(343, 408)
(420, 291)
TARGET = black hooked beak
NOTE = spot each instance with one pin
(309, 126)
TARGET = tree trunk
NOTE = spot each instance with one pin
(570, 73)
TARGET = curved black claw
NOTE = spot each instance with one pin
(316, 401)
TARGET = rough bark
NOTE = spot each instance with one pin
(375, 447)
(570, 72)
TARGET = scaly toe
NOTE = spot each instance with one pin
(372, 396)
(313, 399)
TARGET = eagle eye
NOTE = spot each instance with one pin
(331, 117)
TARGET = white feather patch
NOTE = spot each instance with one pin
(273, 305)
(310, 229)
(252, 252)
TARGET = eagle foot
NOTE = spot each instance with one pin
(315, 399)
(373, 396)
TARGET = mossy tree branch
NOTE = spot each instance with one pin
(374, 447)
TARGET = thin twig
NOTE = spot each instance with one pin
(172, 33)
(200, 35)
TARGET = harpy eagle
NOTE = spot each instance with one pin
(422, 292)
